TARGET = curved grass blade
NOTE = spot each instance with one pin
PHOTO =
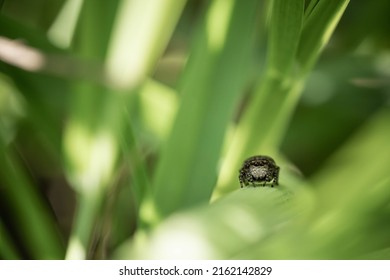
(213, 80)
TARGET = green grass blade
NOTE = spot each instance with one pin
(265, 121)
(31, 215)
(351, 229)
(8, 249)
(62, 30)
(285, 29)
(44, 95)
(364, 153)
(224, 228)
(310, 7)
(318, 28)
(213, 79)
(89, 143)
(141, 32)
(350, 218)
(98, 115)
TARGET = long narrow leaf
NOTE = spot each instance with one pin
(212, 82)
(32, 218)
(265, 122)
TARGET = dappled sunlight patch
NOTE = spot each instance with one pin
(62, 30)
(218, 23)
(158, 105)
(76, 249)
(90, 157)
(181, 238)
(244, 224)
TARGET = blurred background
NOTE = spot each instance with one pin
(123, 125)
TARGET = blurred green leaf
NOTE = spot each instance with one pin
(366, 154)
(129, 60)
(93, 134)
(317, 29)
(351, 216)
(213, 79)
(265, 121)
(142, 159)
(285, 28)
(224, 228)
(31, 216)
(89, 141)
(8, 249)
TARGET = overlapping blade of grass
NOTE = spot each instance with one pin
(132, 55)
(291, 55)
(8, 249)
(62, 30)
(213, 80)
(223, 229)
(89, 138)
(383, 254)
(33, 37)
(141, 32)
(351, 217)
(31, 216)
(317, 30)
(44, 95)
(42, 98)
(354, 171)
(341, 232)
(134, 33)
(284, 31)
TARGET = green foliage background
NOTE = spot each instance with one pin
(124, 123)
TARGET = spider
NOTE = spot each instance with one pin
(258, 169)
